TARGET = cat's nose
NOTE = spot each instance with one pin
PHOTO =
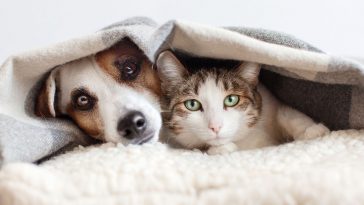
(132, 125)
(215, 127)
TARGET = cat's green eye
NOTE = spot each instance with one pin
(231, 100)
(192, 105)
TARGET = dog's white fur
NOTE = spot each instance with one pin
(114, 99)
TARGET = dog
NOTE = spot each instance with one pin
(113, 95)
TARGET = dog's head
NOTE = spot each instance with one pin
(112, 96)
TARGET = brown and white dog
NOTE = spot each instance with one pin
(112, 96)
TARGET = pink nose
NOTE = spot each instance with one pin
(215, 127)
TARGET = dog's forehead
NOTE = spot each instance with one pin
(80, 73)
(86, 74)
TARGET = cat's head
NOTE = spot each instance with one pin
(211, 106)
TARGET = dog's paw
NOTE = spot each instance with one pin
(315, 131)
(222, 149)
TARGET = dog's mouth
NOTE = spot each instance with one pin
(142, 140)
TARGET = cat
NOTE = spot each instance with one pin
(225, 110)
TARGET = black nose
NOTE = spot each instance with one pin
(132, 125)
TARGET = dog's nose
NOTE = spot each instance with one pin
(132, 125)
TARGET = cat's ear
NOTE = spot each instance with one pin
(250, 72)
(170, 69)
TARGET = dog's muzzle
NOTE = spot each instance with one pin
(134, 128)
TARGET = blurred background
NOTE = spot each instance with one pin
(334, 26)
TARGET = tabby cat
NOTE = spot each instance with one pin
(226, 109)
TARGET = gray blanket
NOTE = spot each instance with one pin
(327, 88)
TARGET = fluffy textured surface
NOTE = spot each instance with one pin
(322, 171)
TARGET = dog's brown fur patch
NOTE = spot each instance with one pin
(88, 121)
(147, 78)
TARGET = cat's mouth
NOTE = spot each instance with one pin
(216, 141)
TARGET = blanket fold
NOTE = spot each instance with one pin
(327, 88)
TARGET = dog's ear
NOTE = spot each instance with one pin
(45, 101)
(170, 69)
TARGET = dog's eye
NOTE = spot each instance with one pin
(81, 100)
(128, 66)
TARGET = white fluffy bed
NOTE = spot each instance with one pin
(328, 171)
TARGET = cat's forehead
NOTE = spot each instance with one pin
(222, 78)
(211, 90)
